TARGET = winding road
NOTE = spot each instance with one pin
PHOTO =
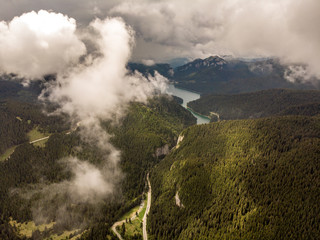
(133, 216)
(144, 230)
(119, 223)
(114, 228)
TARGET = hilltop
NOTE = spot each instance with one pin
(240, 179)
(259, 104)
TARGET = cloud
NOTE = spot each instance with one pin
(297, 73)
(36, 44)
(148, 62)
(167, 29)
(89, 183)
(287, 29)
(90, 91)
(100, 89)
(82, 10)
(66, 202)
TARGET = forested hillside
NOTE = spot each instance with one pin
(144, 129)
(11, 88)
(17, 118)
(259, 104)
(241, 179)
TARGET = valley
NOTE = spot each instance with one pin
(248, 174)
(188, 96)
(159, 120)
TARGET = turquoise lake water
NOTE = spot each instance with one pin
(188, 96)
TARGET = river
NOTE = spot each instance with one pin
(188, 96)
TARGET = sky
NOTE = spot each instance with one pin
(167, 29)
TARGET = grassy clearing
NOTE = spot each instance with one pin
(65, 235)
(35, 134)
(26, 228)
(130, 214)
(141, 214)
(7, 153)
(135, 227)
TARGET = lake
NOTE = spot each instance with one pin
(188, 96)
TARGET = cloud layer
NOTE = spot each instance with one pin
(100, 89)
(36, 44)
(287, 29)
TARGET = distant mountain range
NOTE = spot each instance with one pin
(225, 75)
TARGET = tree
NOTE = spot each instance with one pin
(123, 229)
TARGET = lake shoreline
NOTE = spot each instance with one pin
(188, 96)
(185, 89)
(199, 114)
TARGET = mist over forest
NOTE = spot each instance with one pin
(159, 119)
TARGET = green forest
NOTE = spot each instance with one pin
(241, 179)
(259, 104)
(145, 128)
(18, 118)
(253, 178)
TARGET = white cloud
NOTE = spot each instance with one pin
(101, 89)
(88, 183)
(167, 29)
(36, 44)
(148, 62)
(287, 29)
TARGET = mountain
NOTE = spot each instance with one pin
(219, 75)
(259, 104)
(176, 62)
(240, 179)
(225, 75)
(163, 68)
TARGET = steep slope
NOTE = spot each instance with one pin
(244, 179)
(259, 104)
(145, 129)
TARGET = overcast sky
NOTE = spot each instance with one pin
(167, 29)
